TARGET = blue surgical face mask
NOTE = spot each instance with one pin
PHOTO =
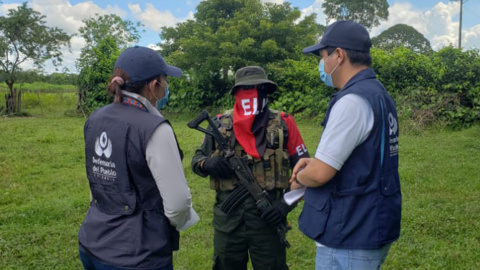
(162, 102)
(324, 76)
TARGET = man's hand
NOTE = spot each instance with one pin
(217, 167)
(276, 213)
(302, 163)
(312, 172)
(296, 185)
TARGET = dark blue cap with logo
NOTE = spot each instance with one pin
(347, 35)
(143, 64)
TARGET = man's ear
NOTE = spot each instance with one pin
(342, 56)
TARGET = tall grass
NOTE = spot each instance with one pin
(42, 104)
(44, 196)
(43, 99)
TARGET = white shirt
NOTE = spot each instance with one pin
(349, 124)
(163, 159)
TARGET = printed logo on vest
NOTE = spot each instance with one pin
(103, 169)
(393, 124)
(103, 145)
(393, 128)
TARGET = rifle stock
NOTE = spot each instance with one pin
(215, 133)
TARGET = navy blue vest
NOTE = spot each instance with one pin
(125, 225)
(360, 207)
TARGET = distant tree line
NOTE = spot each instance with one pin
(31, 76)
(224, 36)
(428, 86)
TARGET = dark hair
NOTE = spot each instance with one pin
(356, 57)
(114, 88)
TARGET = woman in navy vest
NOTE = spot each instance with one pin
(139, 195)
(352, 199)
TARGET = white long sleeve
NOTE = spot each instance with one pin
(165, 164)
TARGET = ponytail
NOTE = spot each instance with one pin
(117, 84)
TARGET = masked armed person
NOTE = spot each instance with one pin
(270, 142)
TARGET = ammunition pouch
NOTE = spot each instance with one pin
(270, 171)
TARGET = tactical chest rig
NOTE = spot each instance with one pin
(272, 170)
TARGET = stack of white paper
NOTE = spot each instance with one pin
(294, 195)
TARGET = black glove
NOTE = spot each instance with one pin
(218, 167)
(276, 213)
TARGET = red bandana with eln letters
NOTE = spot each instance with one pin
(250, 120)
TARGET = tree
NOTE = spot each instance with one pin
(105, 36)
(24, 36)
(402, 35)
(369, 13)
(227, 35)
(93, 79)
(100, 27)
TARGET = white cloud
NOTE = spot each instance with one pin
(471, 37)
(403, 13)
(437, 24)
(61, 14)
(69, 58)
(115, 10)
(316, 8)
(155, 19)
(272, 1)
(135, 8)
(6, 7)
(154, 47)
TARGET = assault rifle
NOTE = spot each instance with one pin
(245, 176)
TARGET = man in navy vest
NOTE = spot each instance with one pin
(352, 198)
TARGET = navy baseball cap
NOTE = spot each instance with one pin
(347, 35)
(143, 64)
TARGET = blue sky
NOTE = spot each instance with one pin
(437, 20)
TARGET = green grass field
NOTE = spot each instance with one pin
(44, 194)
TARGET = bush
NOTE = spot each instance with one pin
(440, 86)
(300, 90)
